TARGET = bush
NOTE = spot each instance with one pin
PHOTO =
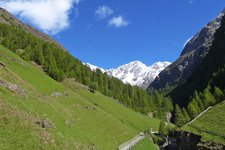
(93, 87)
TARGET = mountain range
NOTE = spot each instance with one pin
(51, 100)
(163, 74)
(135, 73)
(191, 56)
(46, 101)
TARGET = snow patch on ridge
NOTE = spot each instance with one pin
(135, 73)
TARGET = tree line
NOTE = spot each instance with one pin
(200, 101)
(206, 85)
(60, 64)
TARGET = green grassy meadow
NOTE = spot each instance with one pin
(145, 145)
(80, 119)
(211, 125)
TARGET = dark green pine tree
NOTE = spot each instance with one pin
(162, 127)
(199, 101)
(207, 98)
(218, 94)
(193, 108)
(185, 115)
(93, 87)
(179, 118)
(26, 53)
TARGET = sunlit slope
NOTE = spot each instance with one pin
(136, 120)
(146, 144)
(78, 118)
(211, 125)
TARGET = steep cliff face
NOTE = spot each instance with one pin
(210, 146)
(190, 141)
(193, 53)
(7, 18)
(187, 140)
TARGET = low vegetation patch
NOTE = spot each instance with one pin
(211, 125)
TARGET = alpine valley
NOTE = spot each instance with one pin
(50, 100)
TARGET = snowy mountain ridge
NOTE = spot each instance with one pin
(135, 73)
(93, 67)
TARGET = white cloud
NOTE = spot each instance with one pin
(103, 12)
(118, 22)
(51, 16)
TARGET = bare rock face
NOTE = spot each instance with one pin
(168, 116)
(14, 88)
(7, 18)
(190, 141)
(56, 94)
(45, 123)
(187, 140)
(193, 53)
(135, 73)
(210, 146)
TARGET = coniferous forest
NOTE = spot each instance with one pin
(200, 93)
(49, 99)
(205, 87)
(60, 64)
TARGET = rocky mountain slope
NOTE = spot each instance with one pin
(7, 18)
(209, 73)
(193, 53)
(135, 73)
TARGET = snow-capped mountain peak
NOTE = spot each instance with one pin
(135, 73)
(93, 67)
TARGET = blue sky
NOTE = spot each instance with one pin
(109, 33)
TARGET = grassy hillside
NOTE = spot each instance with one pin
(211, 125)
(77, 118)
(60, 64)
(109, 105)
(145, 145)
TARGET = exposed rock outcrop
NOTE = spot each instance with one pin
(45, 123)
(56, 94)
(187, 140)
(14, 88)
(193, 53)
(190, 141)
(210, 146)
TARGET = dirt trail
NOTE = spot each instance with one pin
(199, 115)
(129, 144)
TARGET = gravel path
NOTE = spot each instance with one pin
(129, 144)
(199, 115)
